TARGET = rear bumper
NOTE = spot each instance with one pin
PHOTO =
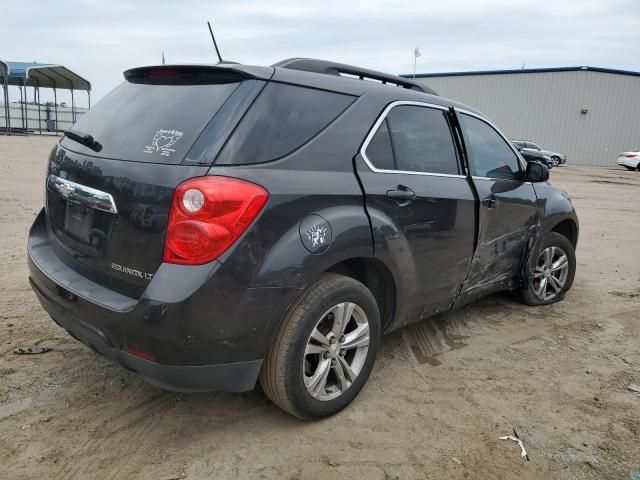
(193, 329)
(629, 162)
(233, 377)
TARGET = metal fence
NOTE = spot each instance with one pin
(42, 121)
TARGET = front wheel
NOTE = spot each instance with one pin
(324, 349)
(553, 271)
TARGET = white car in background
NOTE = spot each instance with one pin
(631, 160)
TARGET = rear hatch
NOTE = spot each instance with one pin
(108, 203)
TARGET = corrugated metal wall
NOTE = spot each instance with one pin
(545, 108)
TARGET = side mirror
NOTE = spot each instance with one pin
(537, 172)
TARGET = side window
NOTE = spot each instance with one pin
(491, 156)
(414, 139)
(379, 151)
(281, 120)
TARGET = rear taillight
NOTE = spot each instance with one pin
(208, 214)
(630, 155)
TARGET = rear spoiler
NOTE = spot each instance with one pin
(186, 74)
(350, 71)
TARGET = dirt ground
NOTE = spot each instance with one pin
(441, 394)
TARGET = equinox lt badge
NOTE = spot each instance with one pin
(132, 271)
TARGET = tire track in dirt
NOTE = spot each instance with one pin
(143, 417)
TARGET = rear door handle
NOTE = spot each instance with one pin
(490, 202)
(403, 195)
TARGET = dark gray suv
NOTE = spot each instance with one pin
(209, 226)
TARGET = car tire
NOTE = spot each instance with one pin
(556, 161)
(550, 278)
(631, 169)
(296, 358)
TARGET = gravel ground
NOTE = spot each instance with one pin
(441, 393)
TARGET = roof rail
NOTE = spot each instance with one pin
(350, 71)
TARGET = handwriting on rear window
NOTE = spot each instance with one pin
(162, 142)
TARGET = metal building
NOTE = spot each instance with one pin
(590, 114)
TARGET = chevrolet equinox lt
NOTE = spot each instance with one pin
(207, 227)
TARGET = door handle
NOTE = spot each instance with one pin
(490, 202)
(402, 194)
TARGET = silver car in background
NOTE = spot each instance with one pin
(526, 145)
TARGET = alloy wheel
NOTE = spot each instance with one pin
(336, 351)
(550, 274)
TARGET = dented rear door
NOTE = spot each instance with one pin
(420, 205)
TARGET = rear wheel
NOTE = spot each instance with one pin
(553, 271)
(324, 350)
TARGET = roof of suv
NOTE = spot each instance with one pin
(322, 74)
(371, 77)
(350, 71)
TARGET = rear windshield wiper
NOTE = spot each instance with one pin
(83, 139)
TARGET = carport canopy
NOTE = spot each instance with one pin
(45, 75)
(38, 75)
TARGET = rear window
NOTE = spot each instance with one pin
(282, 119)
(151, 122)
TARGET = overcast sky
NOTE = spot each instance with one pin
(99, 39)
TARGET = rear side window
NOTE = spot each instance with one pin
(490, 154)
(379, 151)
(414, 139)
(151, 122)
(281, 120)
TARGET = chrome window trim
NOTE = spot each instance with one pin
(377, 124)
(523, 164)
(80, 194)
(474, 177)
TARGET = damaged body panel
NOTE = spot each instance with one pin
(508, 225)
(461, 223)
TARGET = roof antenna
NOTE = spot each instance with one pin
(214, 42)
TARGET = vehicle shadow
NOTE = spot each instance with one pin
(129, 400)
(120, 415)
